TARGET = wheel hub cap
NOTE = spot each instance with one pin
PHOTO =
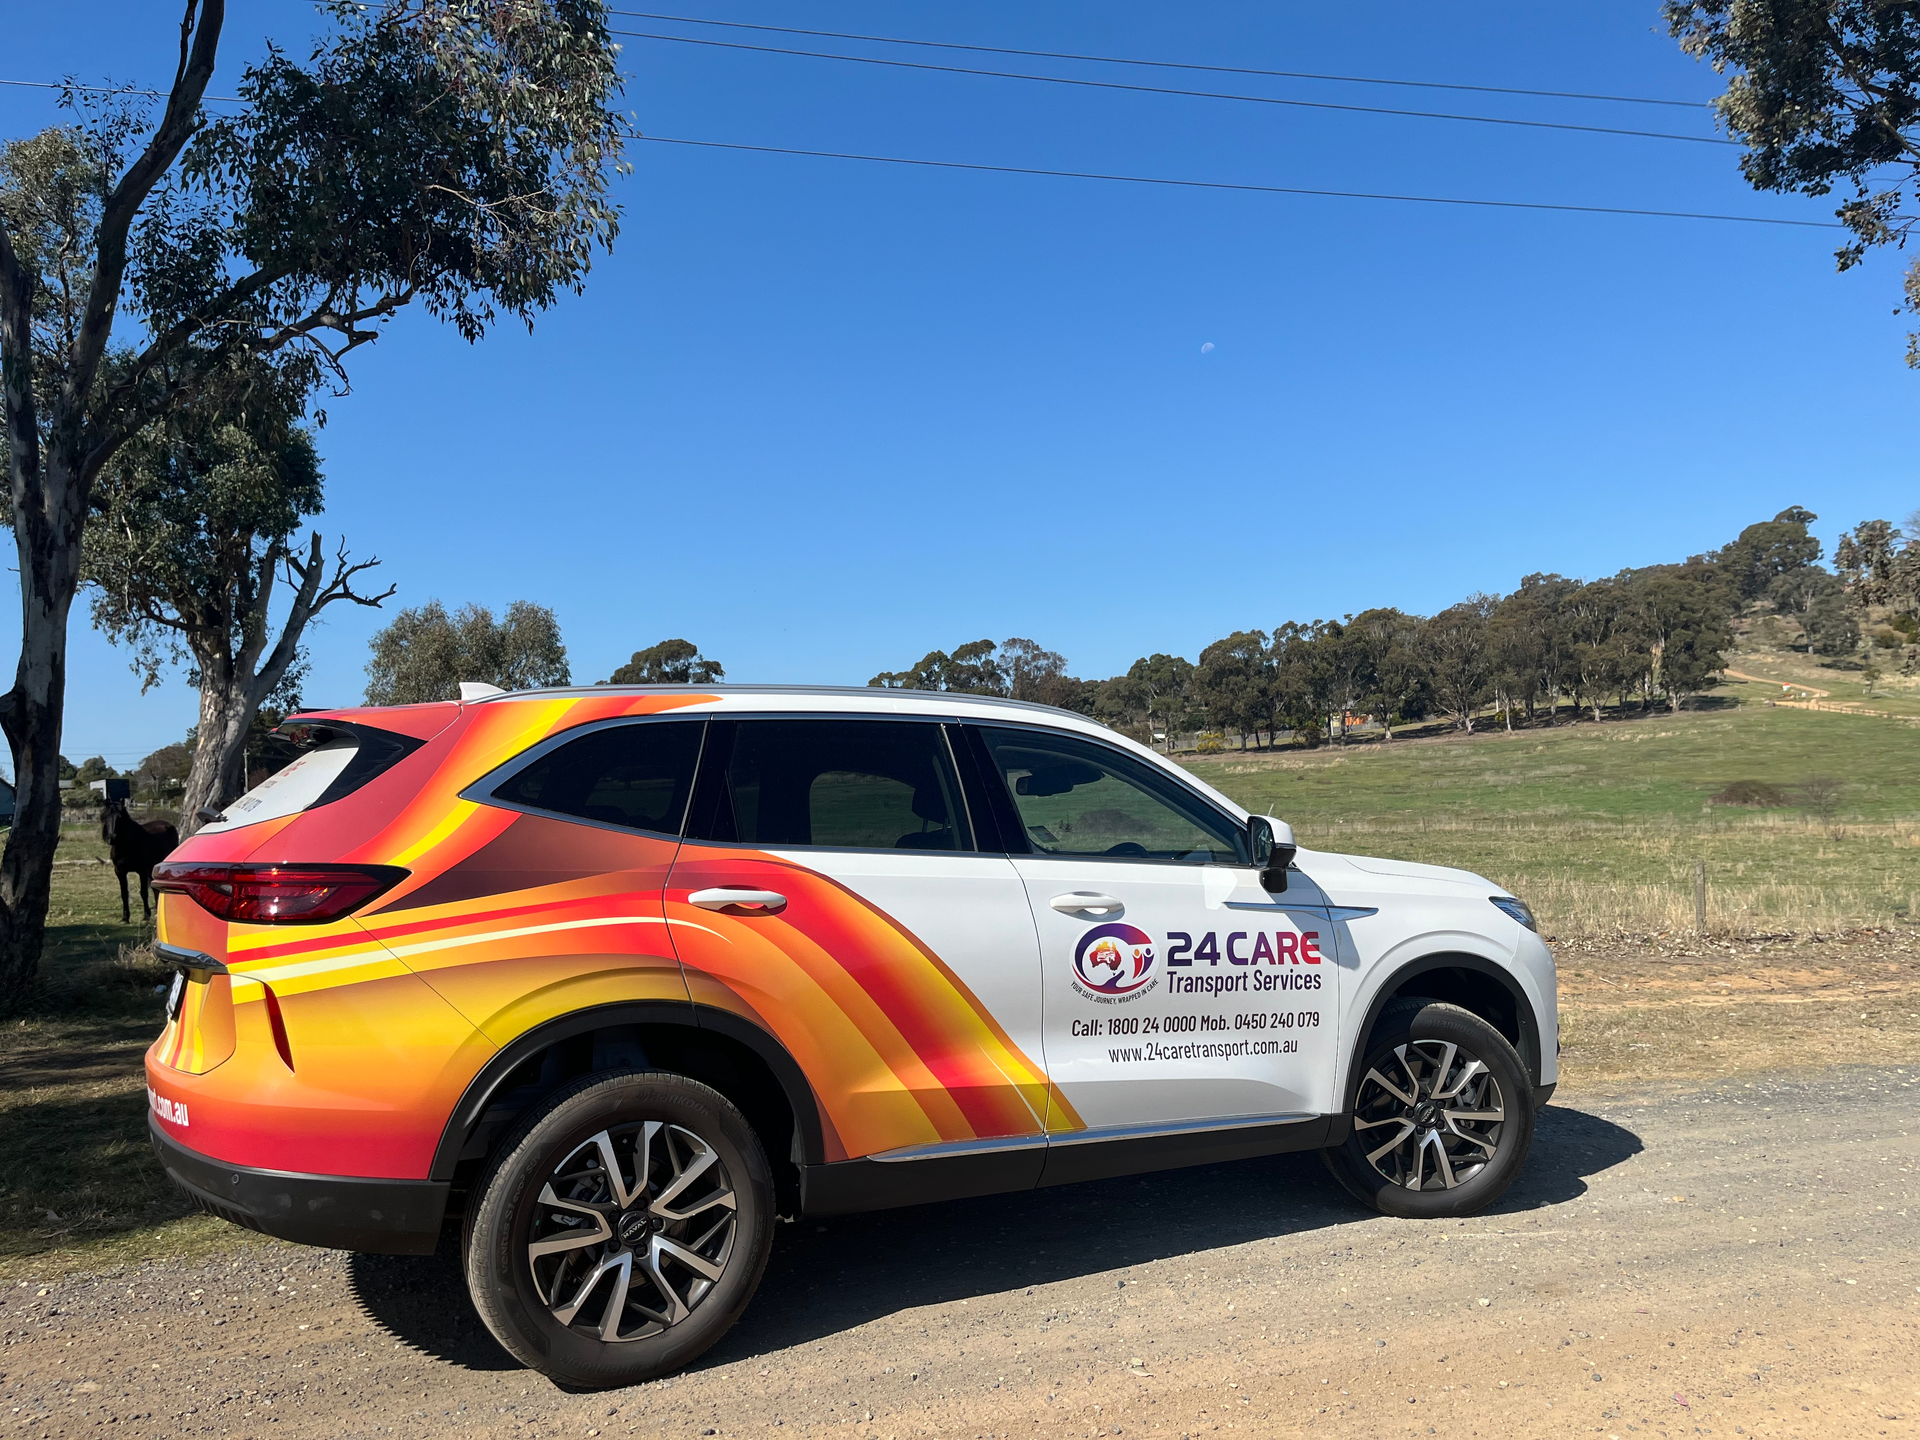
(1430, 1117)
(632, 1230)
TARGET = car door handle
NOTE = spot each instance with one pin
(736, 897)
(1076, 901)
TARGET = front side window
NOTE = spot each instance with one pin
(638, 776)
(847, 784)
(1077, 797)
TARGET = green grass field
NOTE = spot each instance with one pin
(1598, 826)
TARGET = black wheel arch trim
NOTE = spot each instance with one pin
(468, 1115)
(1525, 1020)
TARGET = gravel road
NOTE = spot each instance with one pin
(1731, 1259)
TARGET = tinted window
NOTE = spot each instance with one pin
(1076, 797)
(635, 775)
(333, 762)
(860, 784)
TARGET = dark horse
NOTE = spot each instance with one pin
(136, 846)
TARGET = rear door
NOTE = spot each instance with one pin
(1176, 989)
(831, 890)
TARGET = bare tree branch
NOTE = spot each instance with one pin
(308, 601)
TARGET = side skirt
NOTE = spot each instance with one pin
(963, 1171)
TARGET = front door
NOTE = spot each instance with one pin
(1176, 988)
(830, 891)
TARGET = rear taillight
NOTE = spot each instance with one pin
(277, 894)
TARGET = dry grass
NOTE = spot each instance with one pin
(1686, 1010)
(1766, 874)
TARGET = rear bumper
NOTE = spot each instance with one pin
(384, 1217)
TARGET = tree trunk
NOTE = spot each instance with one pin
(218, 773)
(48, 542)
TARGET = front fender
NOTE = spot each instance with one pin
(1381, 970)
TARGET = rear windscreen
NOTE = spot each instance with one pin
(336, 762)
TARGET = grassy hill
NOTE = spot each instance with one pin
(1598, 826)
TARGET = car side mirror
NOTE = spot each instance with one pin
(1270, 842)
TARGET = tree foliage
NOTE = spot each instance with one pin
(1764, 552)
(671, 662)
(425, 654)
(456, 153)
(1822, 93)
(195, 529)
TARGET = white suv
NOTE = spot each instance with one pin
(618, 976)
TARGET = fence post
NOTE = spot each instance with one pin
(1700, 896)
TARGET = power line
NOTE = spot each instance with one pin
(1123, 179)
(1233, 185)
(1169, 64)
(1171, 90)
(117, 90)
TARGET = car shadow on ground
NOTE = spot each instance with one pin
(828, 1276)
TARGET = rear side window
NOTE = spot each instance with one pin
(637, 776)
(335, 761)
(845, 784)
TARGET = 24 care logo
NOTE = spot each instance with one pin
(1114, 964)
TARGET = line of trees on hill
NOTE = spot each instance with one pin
(1654, 635)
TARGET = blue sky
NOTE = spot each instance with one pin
(820, 417)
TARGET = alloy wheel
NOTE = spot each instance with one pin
(1430, 1117)
(632, 1230)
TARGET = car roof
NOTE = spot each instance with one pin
(834, 697)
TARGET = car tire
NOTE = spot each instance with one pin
(621, 1229)
(1425, 1143)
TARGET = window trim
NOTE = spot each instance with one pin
(993, 776)
(480, 791)
(703, 775)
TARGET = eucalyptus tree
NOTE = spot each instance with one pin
(1822, 93)
(1159, 686)
(1307, 680)
(1547, 600)
(1881, 565)
(1456, 642)
(196, 527)
(424, 654)
(973, 669)
(671, 662)
(1598, 615)
(1233, 682)
(1683, 618)
(454, 154)
(1033, 672)
(1395, 665)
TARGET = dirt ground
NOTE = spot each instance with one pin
(1734, 1258)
